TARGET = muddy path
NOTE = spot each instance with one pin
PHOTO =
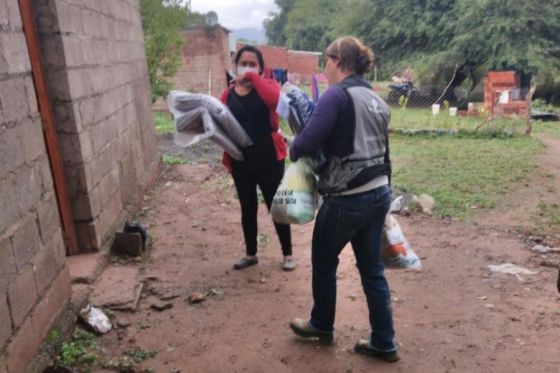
(453, 316)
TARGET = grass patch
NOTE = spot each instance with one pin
(81, 350)
(549, 128)
(550, 214)
(422, 119)
(173, 159)
(462, 173)
(163, 123)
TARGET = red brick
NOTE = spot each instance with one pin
(5, 322)
(23, 347)
(22, 295)
(52, 303)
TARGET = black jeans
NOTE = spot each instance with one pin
(267, 176)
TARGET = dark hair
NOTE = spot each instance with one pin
(251, 49)
(351, 54)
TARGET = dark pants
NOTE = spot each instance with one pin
(357, 219)
(267, 177)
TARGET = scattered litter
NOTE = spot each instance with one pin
(541, 249)
(396, 252)
(396, 205)
(511, 269)
(96, 319)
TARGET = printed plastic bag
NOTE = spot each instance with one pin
(396, 252)
(296, 197)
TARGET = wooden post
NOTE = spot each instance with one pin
(49, 128)
(529, 100)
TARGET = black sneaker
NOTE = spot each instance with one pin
(245, 262)
(363, 347)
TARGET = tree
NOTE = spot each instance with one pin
(436, 36)
(274, 25)
(162, 21)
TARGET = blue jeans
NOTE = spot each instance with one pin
(358, 219)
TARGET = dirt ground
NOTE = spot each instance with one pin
(452, 316)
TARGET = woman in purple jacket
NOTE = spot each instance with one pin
(350, 125)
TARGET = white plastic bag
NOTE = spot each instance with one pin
(296, 198)
(396, 252)
(96, 319)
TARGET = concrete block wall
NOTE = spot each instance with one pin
(34, 280)
(98, 81)
(205, 61)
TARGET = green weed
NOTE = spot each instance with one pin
(163, 123)
(80, 350)
(172, 159)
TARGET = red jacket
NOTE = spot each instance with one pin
(269, 91)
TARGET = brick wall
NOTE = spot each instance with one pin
(97, 74)
(304, 63)
(34, 281)
(205, 61)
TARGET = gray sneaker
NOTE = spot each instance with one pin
(289, 264)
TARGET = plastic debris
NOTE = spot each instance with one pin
(96, 319)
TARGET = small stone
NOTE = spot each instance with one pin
(263, 280)
(196, 297)
(161, 306)
(489, 305)
(123, 323)
(484, 297)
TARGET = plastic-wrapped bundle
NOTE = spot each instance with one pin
(180, 102)
(197, 125)
(300, 108)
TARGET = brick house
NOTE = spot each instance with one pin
(73, 152)
(206, 58)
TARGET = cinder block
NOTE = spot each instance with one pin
(56, 245)
(4, 19)
(45, 268)
(69, 18)
(22, 295)
(11, 156)
(31, 95)
(28, 188)
(13, 98)
(73, 51)
(46, 175)
(14, 14)
(128, 244)
(109, 186)
(8, 207)
(76, 148)
(45, 14)
(32, 140)
(23, 347)
(52, 304)
(67, 117)
(87, 236)
(81, 208)
(7, 265)
(48, 217)
(105, 160)
(26, 241)
(79, 179)
(15, 52)
(5, 322)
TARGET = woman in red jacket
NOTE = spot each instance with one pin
(253, 100)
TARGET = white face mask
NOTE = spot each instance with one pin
(241, 70)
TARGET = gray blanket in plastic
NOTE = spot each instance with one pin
(199, 117)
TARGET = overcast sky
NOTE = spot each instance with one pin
(236, 14)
